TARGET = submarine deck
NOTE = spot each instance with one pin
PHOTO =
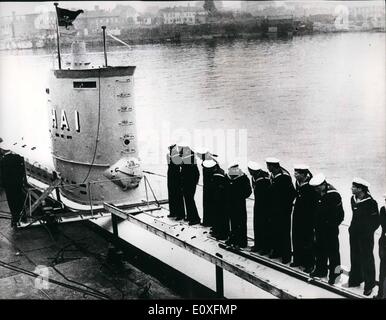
(191, 250)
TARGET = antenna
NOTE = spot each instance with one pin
(104, 44)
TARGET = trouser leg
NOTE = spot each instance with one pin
(308, 260)
(190, 204)
(242, 236)
(15, 198)
(285, 237)
(179, 205)
(382, 276)
(368, 264)
(334, 254)
(355, 259)
(321, 256)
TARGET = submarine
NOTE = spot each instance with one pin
(96, 168)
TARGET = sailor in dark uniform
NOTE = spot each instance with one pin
(365, 220)
(174, 181)
(14, 178)
(217, 182)
(329, 215)
(190, 176)
(303, 220)
(282, 194)
(382, 253)
(237, 191)
(207, 188)
(261, 217)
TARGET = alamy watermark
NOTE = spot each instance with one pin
(228, 144)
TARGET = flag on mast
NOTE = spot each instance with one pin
(65, 20)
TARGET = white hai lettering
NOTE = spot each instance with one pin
(54, 120)
(63, 121)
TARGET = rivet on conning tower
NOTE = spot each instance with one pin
(93, 129)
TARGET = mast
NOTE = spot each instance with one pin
(57, 36)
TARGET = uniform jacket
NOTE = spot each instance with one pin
(329, 210)
(365, 218)
(304, 208)
(282, 193)
(260, 186)
(237, 191)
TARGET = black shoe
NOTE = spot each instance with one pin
(285, 260)
(242, 245)
(294, 265)
(318, 274)
(255, 249)
(274, 256)
(308, 269)
(171, 216)
(228, 242)
(333, 278)
(264, 252)
(194, 222)
(367, 292)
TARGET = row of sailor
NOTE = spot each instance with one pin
(315, 206)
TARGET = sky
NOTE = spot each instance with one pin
(6, 8)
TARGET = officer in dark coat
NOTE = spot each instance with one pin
(174, 181)
(282, 194)
(13, 176)
(238, 190)
(190, 176)
(365, 220)
(382, 253)
(207, 188)
(329, 215)
(218, 183)
(303, 220)
(261, 218)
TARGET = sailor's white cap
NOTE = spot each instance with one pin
(183, 143)
(233, 164)
(317, 179)
(301, 166)
(361, 182)
(272, 160)
(254, 166)
(209, 164)
(201, 150)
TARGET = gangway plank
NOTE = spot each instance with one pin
(194, 240)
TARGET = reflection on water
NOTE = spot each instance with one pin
(318, 100)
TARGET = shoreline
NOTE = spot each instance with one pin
(184, 39)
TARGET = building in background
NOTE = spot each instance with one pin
(182, 15)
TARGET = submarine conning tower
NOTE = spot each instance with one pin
(93, 130)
